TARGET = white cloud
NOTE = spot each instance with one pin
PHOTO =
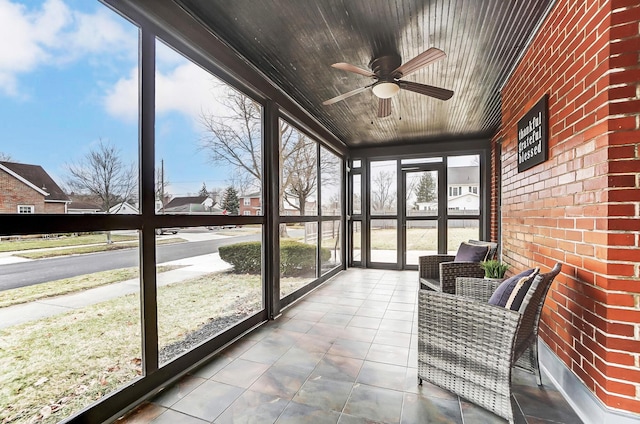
(186, 89)
(53, 35)
(122, 100)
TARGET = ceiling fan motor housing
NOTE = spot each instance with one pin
(383, 66)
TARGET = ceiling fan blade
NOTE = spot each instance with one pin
(352, 68)
(384, 107)
(423, 59)
(345, 95)
(427, 90)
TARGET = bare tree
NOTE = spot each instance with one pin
(383, 195)
(242, 181)
(300, 174)
(103, 174)
(5, 157)
(235, 138)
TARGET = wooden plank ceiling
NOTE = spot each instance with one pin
(294, 43)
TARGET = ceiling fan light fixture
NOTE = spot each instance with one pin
(385, 90)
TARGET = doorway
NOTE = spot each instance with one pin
(416, 206)
(422, 214)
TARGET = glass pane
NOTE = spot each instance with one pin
(70, 329)
(298, 262)
(331, 177)
(69, 322)
(460, 230)
(384, 241)
(206, 286)
(421, 160)
(422, 193)
(422, 239)
(463, 179)
(357, 194)
(356, 237)
(208, 142)
(357, 163)
(69, 127)
(331, 255)
(383, 187)
(299, 173)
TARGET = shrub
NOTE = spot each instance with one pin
(245, 257)
(296, 259)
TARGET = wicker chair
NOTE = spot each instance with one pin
(439, 272)
(469, 347)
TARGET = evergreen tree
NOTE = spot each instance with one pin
(426, 190)
(230, 201)
(203, 191)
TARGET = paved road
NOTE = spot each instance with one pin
(43, 270)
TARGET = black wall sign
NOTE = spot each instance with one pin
(532, 136)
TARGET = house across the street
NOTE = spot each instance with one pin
(28, 188)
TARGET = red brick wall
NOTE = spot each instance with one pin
(582, 206)
(54, 207)
(253, 208)
(14, 192)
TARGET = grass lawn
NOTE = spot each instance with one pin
(418, 238)
(52, 368)
(61, 241)
(91, 249)
(69, 285)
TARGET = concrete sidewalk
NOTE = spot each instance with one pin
(192, 267)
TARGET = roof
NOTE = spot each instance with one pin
(193, 208)
(123, 208)
(251, 195)
(37, 178)
(83, 205)
(463, 175)
(182, 201)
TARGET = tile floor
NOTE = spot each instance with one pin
(344, 354)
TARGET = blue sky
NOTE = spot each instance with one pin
(68, 78)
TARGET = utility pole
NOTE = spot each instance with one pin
(162, 183)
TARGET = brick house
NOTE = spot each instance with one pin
(251, 204)
(29, 189)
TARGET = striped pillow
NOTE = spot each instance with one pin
(520, 291)
(503, 293)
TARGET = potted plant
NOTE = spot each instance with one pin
(494, 269)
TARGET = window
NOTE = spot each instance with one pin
(331, 181)
(383, 183)
(225, 126)
(299, 174)
(26, 209)
(81, 86)
(208, 143)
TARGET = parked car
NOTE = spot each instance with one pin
(170, 230)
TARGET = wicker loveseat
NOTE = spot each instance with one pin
(469, 347)
(439, 272)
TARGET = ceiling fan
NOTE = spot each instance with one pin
(386, 72)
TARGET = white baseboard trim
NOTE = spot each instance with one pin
(589, 408)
